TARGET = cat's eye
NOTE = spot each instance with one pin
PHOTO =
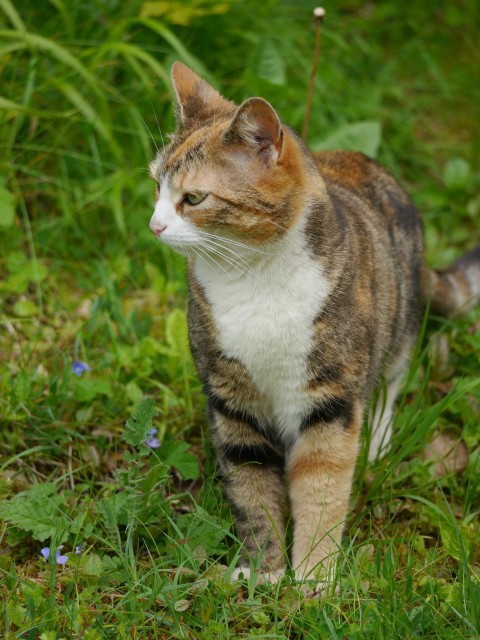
(195, 198)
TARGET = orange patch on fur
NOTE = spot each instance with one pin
(317, 465)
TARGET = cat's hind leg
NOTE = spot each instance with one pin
(381, 418)
(381, 415)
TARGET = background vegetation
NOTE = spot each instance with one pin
(92, 320)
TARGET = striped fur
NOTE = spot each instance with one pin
(307, 283)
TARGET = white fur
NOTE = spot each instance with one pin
(383, 414)
(179, 233)
(265, 320)
(264, 315)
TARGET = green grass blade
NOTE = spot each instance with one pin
(37, 42)
(9, 105)
(63, 11)
(12, 14)
(185, 56)
(131, 51)
(89, 113)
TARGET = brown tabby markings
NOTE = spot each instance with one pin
(283, 219)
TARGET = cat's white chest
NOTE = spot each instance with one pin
(266, 322)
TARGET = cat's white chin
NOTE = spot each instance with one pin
(184, 248)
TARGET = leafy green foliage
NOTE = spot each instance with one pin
(7, 207)
(139, 425)
(85, 98)
(37, 510)
(359, 136)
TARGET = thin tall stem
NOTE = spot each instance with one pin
(319, 14)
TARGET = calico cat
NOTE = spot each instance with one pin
(307, 283)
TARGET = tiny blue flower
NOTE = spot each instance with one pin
(79, 367)
(151, 441)
(59, 559)
(79, 549)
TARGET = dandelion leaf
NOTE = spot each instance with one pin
(38, 511)
(175, 454)
(139, 425)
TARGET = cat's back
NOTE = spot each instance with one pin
(351, 176)
(380, 232)
(383, 226)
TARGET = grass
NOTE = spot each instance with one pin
(84, 98)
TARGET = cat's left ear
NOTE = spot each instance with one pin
(257, 124)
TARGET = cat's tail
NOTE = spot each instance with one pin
(456, 288)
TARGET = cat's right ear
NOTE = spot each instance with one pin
(196, 99)
(257, 125)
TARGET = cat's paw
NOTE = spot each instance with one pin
(261, 577)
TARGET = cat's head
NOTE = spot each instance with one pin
(228, 171)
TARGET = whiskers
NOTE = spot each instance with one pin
(229, 241)
(227, 254)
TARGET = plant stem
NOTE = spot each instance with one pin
(319, 14)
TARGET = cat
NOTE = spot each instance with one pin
(306, 285)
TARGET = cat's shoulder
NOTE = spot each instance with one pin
(350, 168)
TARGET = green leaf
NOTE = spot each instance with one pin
(7, 207)
(92, 566)
(87, 389)
(16, 613)
(362, 136)
(176, 454)
(455, 540)
(133, 391)
(268, 63)
(23, 386)
(22, 274)
(25, 308)
(38, 511)
(139, 425)
(15, 261)
(260, 617)
(457, 174)
(176, 333)
(183, 604)
(182, 13)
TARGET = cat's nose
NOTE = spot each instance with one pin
(156, 228)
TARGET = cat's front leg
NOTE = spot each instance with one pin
(254, 482)
(320, 469)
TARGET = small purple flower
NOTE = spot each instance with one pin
(79, 367)
(151, 441)
(79, 549)
(59, 559)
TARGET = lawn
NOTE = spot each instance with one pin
(106, 464)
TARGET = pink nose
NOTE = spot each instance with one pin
(157, 228)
